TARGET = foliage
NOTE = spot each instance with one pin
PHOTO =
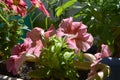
(56, 58)
(64, 6)
(102, 17)
(53, 49)
(11, 30)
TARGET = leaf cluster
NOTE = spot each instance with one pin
(56, 61)
(11, 30)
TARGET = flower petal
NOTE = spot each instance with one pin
(105, 51)
(50, 32)
(41, 6)
(14, 63)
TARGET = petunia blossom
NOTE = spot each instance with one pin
(76, 34)
(105, 52)
(37, 42)
(20, 48)
(14, 63)
(18, 56)
(18, 6)
(50, 32)
(40, 5)
(37, 35)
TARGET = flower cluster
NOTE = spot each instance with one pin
(20, 6)
(105, 52)
(55, 48)
(75, 34)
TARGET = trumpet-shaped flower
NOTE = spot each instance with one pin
(36, 36)
(14, 63)
(40, 5)
(32, 47)
(76, 34)
(51, 31)
(105, 52)
(18, 56)
(18, 49)
(18, 6)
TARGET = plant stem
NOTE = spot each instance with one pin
(31, 23)
(4, 20)
(46, 22)
(36, 17)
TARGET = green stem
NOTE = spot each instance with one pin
(36, 17)
(31, 22)
(46, 22)
(4, 20)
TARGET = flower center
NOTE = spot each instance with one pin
(16, 2)
(70, 36)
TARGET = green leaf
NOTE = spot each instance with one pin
(67, 55)
(62, 8)
(52, 48)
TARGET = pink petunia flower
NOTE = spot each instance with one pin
(18, 56)
(31, 46)
(40, 5)
(50, 32)
(18, 6)
(18, 49)
(36, 36)
(105, 52)
(14, 63)
(76, 34)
